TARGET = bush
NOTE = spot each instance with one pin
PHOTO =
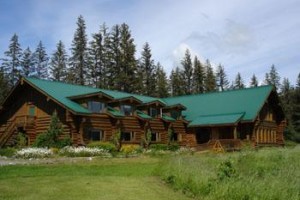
(34, 153)
(83, 152)
(165, 147)
(8, 152)
(159, 147)
(51, 138)
(128, 149)
(103, 145)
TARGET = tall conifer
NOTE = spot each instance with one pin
(58, 64)
(79, 58)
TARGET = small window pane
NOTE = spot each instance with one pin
(31, 111)
(153, 112)
(126, 109)
(127, 136)
(95, 106)
(95, 135)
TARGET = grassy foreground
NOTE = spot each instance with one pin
(265, 174)
(110, 179)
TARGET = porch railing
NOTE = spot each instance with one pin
(222, 145)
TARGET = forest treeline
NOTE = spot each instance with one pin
(109, 61)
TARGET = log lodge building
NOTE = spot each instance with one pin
(92, 114)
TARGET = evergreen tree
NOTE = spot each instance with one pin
(12, 62)
(126, 80)
(96, 51)
(254, 81)
(199, 76)
(267, 80)
(221, 78)
(79, 58)
(187, 72)
(58, 64)
(114, 57)
(210, 79)
(27, 62)
(146, 65)
(176, 82)
(239, 83)
(40, 59)
(274, 77)
(296, 112)
(298, 81)
(161, 82)
(4, 88)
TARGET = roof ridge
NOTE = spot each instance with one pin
(61, 82)
(219, 92)
(223, 114)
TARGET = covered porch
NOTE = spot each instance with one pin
(218, 132)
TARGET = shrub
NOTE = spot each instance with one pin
(103, 145)
(159, 147)
(21, 140)
(165, 147)
(83, 152)
(173, 146)
(51, 138)
(8, 152)
(225, 170)
(128, 149)
(34, 153)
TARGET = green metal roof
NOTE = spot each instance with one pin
(248, 101)
(214, 120)
(143, 115)
(168, 118)
(114, 112)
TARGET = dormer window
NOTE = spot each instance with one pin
(96, 106)
(175, 114)
(154, 112)
(126, 109)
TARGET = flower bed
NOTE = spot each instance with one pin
(34, 153)
(84, 152)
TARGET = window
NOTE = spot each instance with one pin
(31, 111)
(95, 135)
(126, 109)
(153, 112)
(175, 114)
(155, 137)
(96, 106)
(127, 136)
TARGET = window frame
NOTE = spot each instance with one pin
(91, 104)
(91, 131)
(123, 109)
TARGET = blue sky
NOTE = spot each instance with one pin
(245, 36)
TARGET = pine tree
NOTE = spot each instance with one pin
(199, 76)
(239, 83)
(128, 67)
(4, 87)
(114, 56)
(221, 78)
(161, 82)
(96, 51)
(187, 72)
(298, 81)
(176, 82)
(12, 61)
(27, 62)
(253, 82)
(274, 77)
(79, 58)
(58, 64)
(146, 65)
(267, 80)
(40, 59)
(210, 79)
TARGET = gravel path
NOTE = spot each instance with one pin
(17, 161)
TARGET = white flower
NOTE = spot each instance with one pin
(34, 153)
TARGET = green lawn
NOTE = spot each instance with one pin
(269, 173)
(130, 178)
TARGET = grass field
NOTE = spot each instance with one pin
(111, 179)
(264, 174)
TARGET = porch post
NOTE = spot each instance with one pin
(234, 133)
